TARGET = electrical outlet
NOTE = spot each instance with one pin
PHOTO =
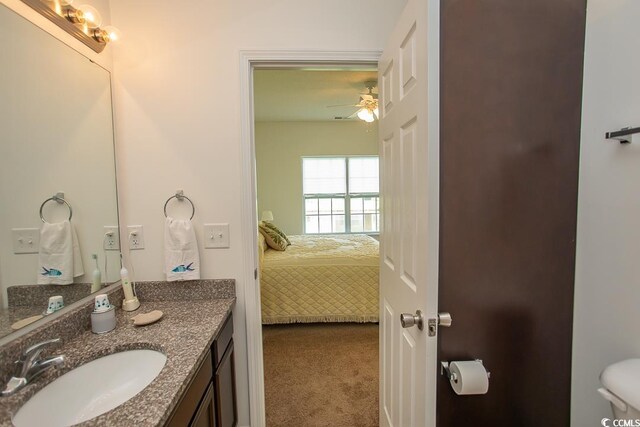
(25, 240)
(136, 237)
(111, 238)
(216, 236)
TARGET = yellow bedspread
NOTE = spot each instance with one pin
(321, 279)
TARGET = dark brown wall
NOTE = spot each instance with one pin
(511, 80)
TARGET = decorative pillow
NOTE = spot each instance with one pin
(277, 230)
(273, 239)
(262, 243)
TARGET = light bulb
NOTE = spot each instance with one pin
(365, 115)
(113, 34)
(376, 113)
(91, 16)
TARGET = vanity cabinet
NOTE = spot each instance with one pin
(206, 414)
(226, 413)
(210, 399)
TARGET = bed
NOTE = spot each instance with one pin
(325, 278)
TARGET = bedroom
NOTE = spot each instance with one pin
(317, 183)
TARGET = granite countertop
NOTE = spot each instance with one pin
(184, 334)
(8, 316)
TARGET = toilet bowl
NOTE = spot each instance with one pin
(621, 383)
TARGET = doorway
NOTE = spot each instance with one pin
(318, 191)
(252, 61)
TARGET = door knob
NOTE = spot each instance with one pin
(408, 320)
(445, 319)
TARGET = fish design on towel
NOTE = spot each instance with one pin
(183, 268)
(52, 272)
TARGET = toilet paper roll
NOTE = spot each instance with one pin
(470, 377)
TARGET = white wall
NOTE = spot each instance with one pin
(279, 149)
(178, 110)
(607, 293)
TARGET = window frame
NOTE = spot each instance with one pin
(345, 196)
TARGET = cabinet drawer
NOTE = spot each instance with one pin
(223, 340)
(191, 399)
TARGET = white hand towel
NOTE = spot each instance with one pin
(59, 259)
(181, 256)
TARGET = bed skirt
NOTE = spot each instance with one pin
(322, 293)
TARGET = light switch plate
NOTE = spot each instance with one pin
(25, 240)
(216, 236)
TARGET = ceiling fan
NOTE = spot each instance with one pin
(367, 107)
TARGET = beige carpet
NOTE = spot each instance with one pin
(322, 374)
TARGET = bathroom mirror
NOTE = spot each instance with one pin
(56, 135)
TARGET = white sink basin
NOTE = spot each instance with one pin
(91, 389)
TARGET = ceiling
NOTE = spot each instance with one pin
(304, 94)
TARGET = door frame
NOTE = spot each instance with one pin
(250, 60)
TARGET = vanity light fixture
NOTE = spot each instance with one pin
(82, 22)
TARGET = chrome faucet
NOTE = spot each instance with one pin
(31, 366)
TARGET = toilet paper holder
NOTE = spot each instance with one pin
(451, 376)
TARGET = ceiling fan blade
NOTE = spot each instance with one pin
(350, 116)
(354, 114)
(343, 105)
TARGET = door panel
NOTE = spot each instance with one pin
(511, 76)
(408, 386)
(409, 234)
(388, 376)
(408, 173)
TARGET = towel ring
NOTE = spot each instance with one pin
(57, 198)
(180, 196)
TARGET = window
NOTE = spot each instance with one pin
(341, 194)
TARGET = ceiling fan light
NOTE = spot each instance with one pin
(376, 112)
(366, 115)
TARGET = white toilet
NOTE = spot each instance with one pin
(621, 383)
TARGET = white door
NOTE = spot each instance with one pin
(408, 129)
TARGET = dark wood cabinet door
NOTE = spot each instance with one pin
(189, 403)
(225, 390)
(206, 414)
